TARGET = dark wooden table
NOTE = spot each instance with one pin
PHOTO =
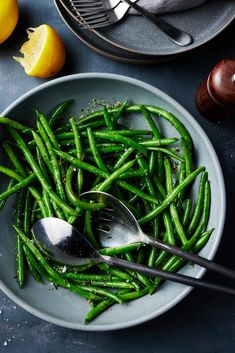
(204, 322)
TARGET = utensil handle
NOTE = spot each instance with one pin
(175, 34)
(210, 265)
(175, 277)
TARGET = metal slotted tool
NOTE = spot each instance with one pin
(96, 16)
(68, 245)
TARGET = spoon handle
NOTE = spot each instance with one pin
(210, 265)
(175, 277)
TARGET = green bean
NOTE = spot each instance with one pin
(206, 210)
(102, 292)
(19, 244)
(171, 197)
(15, 125)
(198, 231)
(52, 161)
(29, 157)
(187, 211)
(169, 228)
(106, 183)
(108, 120)
(151, 258)
(167, 152)
(11, 173)
(31, 265)
(173, 211)
(187, 153)
(146, 143)
(23, 183)
(102, 306)
(74, 199)
(202, 241)
(134, 295)
(96, 155)
(120, 249)
(48, 204)
(152, 162)
(119, 112)
(151, 122)
(181, 176)
(88, 277)
(107, 149)
(9, 186)
(113, 285)
(92, 124)
(98, 309)
(89, 230)
(115, 136)
(160, 142)
(44, 122)
(157, 136)
(43, 152)
(15, 161)
(197, 246)
(58, 111)
(115, 272)
(27, 212)
(78, 144)
(103, 133)
(199, 205)
(142, 278)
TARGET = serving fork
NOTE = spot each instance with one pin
(91, 19)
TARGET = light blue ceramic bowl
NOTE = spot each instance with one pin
(60, 306)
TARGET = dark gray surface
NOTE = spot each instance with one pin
(202, 323)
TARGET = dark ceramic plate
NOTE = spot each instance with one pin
(138, 35)
(137, 40)
(101, 46)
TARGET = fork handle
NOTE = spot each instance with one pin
(175, 34)
(175, 277)
(201, 261)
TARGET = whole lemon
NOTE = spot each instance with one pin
(9, 14)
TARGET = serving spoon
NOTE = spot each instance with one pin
(66, 244)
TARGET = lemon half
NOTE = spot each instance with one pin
(43, 53)
(9, 15)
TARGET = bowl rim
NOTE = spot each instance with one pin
(215, 161)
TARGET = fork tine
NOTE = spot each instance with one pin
(88, 6)
(89, 16)
(90, 9)
(94, 3)
(97, 22)
(86, 2)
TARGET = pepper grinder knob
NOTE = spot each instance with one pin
(215, 97)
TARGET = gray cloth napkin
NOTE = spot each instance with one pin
(163, 6)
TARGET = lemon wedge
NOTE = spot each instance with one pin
(9, 15)
(43, 53)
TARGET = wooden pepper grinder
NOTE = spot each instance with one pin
(215, 97)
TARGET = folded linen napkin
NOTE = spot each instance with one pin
(163, 6)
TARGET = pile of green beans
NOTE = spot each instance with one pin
(51, 164)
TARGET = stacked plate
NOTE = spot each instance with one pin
(136, 40)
